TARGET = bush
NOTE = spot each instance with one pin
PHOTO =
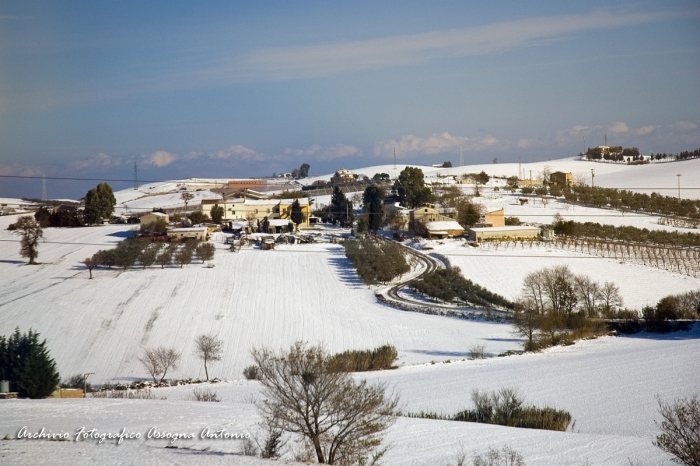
(251, 373)
(380, 358)
(506, 407)
(680, 430)
(26, 364)
(477, 352)
(205, 394)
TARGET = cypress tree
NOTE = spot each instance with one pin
(26, 364)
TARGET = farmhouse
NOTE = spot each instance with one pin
(510, 232)
(443, 229)
(178, 234)
(153, 216)
(257, 209)
(343, 176)
(427, 214)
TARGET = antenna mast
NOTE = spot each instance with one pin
(43, 186)
(394, 158)
(136, 178)
(461, 155)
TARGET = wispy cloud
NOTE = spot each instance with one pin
(294, 62)
(442, 143)
(684, 125)
(646, 129)
(100, 160)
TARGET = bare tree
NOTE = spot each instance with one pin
(610, 297)
(680, 430)
(341, 420)
(527, 322)
(31, 233)
(187, 197)
(588, 293)
(208, 348)
(158, 361)
(91, 263)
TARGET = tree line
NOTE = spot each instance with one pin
(448, 284)
(625, 233)
(623, 199)
(133, 251)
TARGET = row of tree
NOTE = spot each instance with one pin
(449, 283)
(625, 233)
(130, 252)
(685, 155)
(614, 153)
(623, 199)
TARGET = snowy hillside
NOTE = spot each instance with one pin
(257, 298)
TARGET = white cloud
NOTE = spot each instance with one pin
(525, 143)
(646, 129)
(19, 170)
(619, 127)
(436, 144)
(684, 125)
(160, 158)
(100, 160)
(237, 152)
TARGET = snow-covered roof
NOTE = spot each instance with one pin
(157, 214)
(279, 222)
(443, 225)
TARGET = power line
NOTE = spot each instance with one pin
(79, 179)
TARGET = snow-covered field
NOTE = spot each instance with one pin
(309, 292)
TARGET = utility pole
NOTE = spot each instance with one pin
(394, 159)
(43, 187)
(592, 177)
(461, 155)
(136, 178)
(679, 186)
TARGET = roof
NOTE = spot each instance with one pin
(443, 225)
(508, 228)
(279, 222)
(157, 214)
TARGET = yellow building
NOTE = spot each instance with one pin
(153, 216)
(258, 209)
(497, 218)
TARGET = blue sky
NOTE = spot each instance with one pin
(241, 89)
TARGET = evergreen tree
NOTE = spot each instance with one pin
(372, 198)
(411, 188)
(297, 214)
(99, 203)
(341, 208)
(217, 213)
(26, 364)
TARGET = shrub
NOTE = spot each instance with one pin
(477, 352)
(380, 358)
(506, 456)
(205, 394)
(251, 373)
(506, 407)
(680, 430)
